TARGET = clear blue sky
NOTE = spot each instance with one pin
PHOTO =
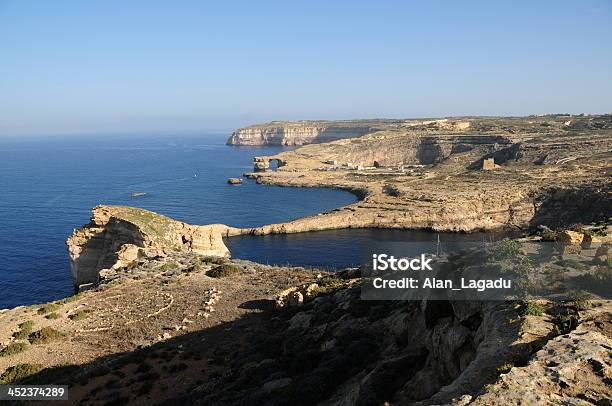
(125, 66)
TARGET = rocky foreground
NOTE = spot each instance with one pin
(184, 328)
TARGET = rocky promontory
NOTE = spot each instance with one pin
(117, 235)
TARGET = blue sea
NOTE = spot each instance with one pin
(48, 187)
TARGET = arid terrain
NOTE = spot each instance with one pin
(166, 316)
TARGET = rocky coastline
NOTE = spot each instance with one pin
(168, 315)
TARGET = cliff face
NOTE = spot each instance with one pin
(295, 135)
(314, 132)
(117, 236)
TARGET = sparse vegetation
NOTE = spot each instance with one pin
(52, 316)
(504, 368)
(580, 299)
(25, 329)
(532, 309)
(214, 260)
(503, 250)
(224, 270)
(48, 308)
(168, 266)
(44, 335)
(13, 348)
(571, 263)
(18, 372)
(80, 314)
(68, 299)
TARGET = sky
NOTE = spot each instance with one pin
(83, 67)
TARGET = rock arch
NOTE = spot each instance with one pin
(262, 163)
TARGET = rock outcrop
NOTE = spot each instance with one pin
(118, 235)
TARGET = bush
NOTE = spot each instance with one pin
(214, 260)
(532, 309)
(80, 315)
(48, 308)
(19, 371)
(504, 368)
(26, 325)
(168, 266)
(44, 335)
(224, 270)
(13, 348)
(25, 329)
(52, 316)
(505, 249)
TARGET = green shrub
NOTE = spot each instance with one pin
(80, 315)
(563, 324)
(167, 266)
(25, 329)
(224, 270)
(26, 325)
(44, 335)
(52, 316)
(214, 260)
(13, 348)
(532, 309)
(48, 308)
(503, 250)
(19, 371)
(504, 368)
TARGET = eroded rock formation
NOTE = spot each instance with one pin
(118, 235)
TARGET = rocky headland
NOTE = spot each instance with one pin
(168, 317)
(498, 173)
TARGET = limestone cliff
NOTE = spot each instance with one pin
(118, 235)
(314, 132)
(277, 133)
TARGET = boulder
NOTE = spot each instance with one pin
(295, 299)
(234, 181)
(570, 237)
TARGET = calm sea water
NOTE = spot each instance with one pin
(48, 187)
